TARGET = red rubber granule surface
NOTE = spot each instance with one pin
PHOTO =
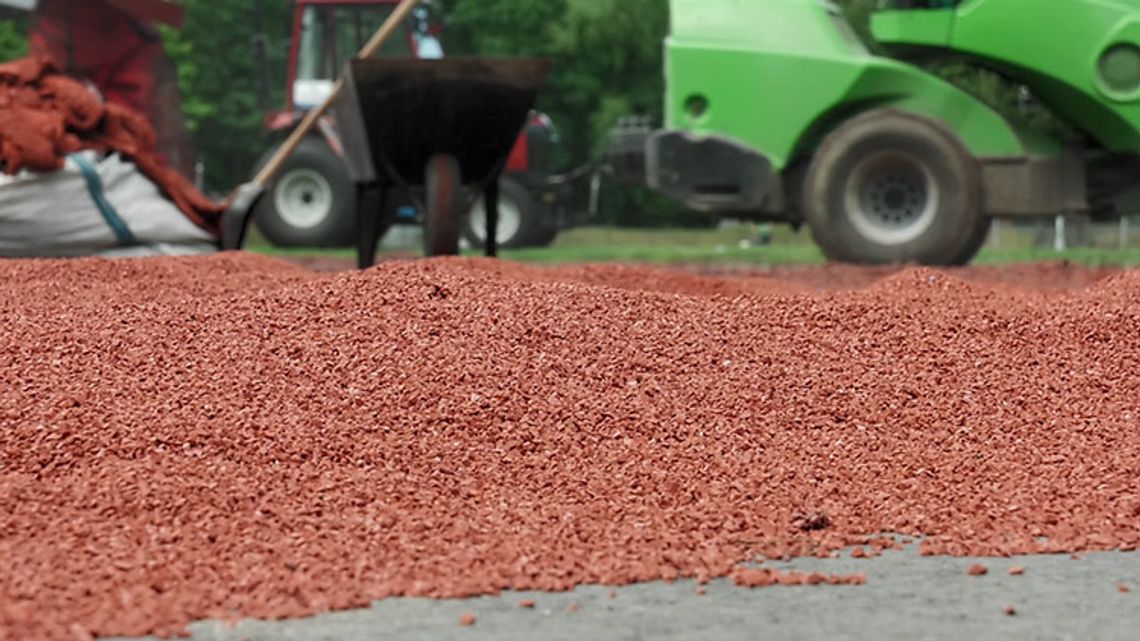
(186, 439)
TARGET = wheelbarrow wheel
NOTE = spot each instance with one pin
(444, 185)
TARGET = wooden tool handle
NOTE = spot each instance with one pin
(290, 145)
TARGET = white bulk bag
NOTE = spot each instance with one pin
(94, 206)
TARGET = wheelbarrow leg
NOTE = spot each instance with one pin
(491, 200)
(368, 212)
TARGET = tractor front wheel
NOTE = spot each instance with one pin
(312, 202)
(891, 187)
(523, 221)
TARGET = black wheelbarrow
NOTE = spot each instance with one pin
(439, 130)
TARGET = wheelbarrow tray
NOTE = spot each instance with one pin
(395, 114)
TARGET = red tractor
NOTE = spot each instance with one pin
(313, 201)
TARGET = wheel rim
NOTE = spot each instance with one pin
(510, 220)
(303, 198)
(891, 198)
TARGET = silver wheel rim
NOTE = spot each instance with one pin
(303, 198)
(891, 198)
(510, 220)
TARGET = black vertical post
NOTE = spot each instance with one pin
(368, 212)
(491, 197)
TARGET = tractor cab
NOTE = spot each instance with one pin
(907, 27)
(326, 35)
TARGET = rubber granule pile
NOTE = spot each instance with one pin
(185, 439)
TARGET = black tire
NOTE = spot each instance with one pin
(311, 203)
(523, 222)
(976, 243)
(890, 187)
(444, 187)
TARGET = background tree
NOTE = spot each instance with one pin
(13, 42)
(221, 77)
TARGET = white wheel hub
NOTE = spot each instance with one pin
(303, 198)
(891, 198)
(510, 220)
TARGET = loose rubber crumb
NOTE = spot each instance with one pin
(764, 577)
(185, 439)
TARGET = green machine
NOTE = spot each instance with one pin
(777, 111)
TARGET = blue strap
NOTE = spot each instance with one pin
(95, 186)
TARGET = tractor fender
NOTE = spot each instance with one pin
(890, 85)
(284, 124)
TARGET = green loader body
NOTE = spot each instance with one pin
(776, 110)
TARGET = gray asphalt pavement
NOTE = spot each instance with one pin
(906, 597)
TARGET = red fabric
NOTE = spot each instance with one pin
(45, 115)
(164, 11)
(99, 42)
(124, 58)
